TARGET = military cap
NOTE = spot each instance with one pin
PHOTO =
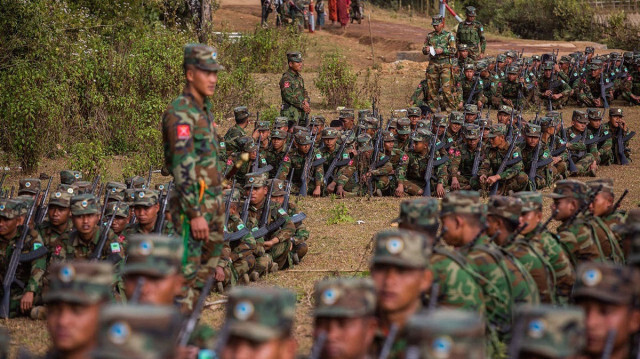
(594, 114)
(401, 248)
(532, 130)
(569, 189)
(80, 282)
(531, 201)
(615, 111)
(280, 122)
(535, 58)
(388, 136)
(240, 113)
(545, 122)
(481, 65)
(462, 202)
(260, 314)
(344, 298)
(505, 109)
(470, 108)
(498, 129)
(420, 137)
(70, 189)
(607, 282)
(25, 202)
(364, 113)
(509, 208)
(421, 211)
(463, 47)
(303, 138)
(10, 208)
(154, 255)
(202, 56)
(439, 119)
(364, 142)
(487, 123)
(279, 134)
(82, 187)
(137, 331)
(294, 56)
(627, 55)
(501, 58)
(446, 334)
(145, 198)
(548, 66)
(595, 66)
(135, 182)
(256, 180)
(414, 112)
(550, 331)
(456, 117)
(69, 177)
(471, 131)
(470, 11)
(317, 120)
(370, 123)
(84, 204)
(114, 188)
(512, 70)
(247, 144)
(565, 59)
(28, 186)
(425, 124)
(512, 54)
(300, 129)
(60, 199)
(346, 113)
(437, 20)
(393, 123)
(404, 126)
(469, 67)
(130, 195)
(122, 211)
(263, 125)
(279, 187)
(605, 185)
(579, 116)
(589, 50)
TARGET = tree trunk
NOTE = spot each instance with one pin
(206, 19)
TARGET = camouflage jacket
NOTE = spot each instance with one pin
(29, 273)
(398, 348)
(286, 231)
(231, 138)
(614, 141)
(576, 145)
(589, 86)
(507, 90)
(472, 34)
(467, 86)
(360, 165)
(606, 241)
(605, 148)
(543, 155)
(489, 86)
(461, 161)
(292, 89)
(302, 233)
(417, 167)
(420, 96)
(531, 256)
(275, 159)
(399, 161)
(554, 143)
(245, 246)
(559, 86)
(241, 174)
(492, 160)
(329, 156)
(403, 145)
(297, 164)
(50, 234)
(191, 152)
(73, 247)
(579, 241)
(443, 40)
(136, 228)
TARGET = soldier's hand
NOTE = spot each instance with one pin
(400, 190)
(199, 228)
(480, 104)
(455, 184)
(305, 107)
(219, 274)
(556, 96)
(556, 159)
(493, 179)
(508, 102)
(594, 166)
(548, 93)
(440, 190)
(597, 102)
(483, 179)
(26, 302)
(340, 192)
(439, 50)
(331, 187)
(188, 352)
(317, 192)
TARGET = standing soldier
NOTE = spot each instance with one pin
(471, 33)
(191, 154)
(295, 99)
(440, 45)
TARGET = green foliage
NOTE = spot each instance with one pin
(336, 80)
(620, 32)
(88, 158)
(270, 113)
(339, 214)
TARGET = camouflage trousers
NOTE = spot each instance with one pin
(292, 113)
(516, 184)
(280, 253)
(14, 304)
(561, 169)
(556, 104)
(440, 76)
(606, 157)
(413, 187)
(237, 269)
(582, 166)
(263, 260)
(468, 183)
(545, 177)
(361, 189)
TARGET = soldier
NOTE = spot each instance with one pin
(277, 156)
(608, 294)
(440, 45)
(301, 236)
(29, 187)
(447, 333)
(550, 332)
(601, 205)
(355, 177)
(259, 324)
(22, 300)
(556, 145)
(241, 115)
(472, 87)
(120, 221)
(417, 166)
(589, 89)
(69, 177)
(512, 178)
(146, 207)
(348, 119)
(299, 157)
(420, 96)
(344, 312)
(545, 173)
(191, 154)
(553, 252)
(569, 196)
(295, 99)
(401, 273)
(554, 92)
(329, 152)
(403, 139)
(77, 290)
(511, 89)
(238, 256)
(246, 145)
(59, 222)
(500, 69)
(463, 159)
(582, 155)
(471, 33)
(604, 208)
(399, 161)
(463, 57)
(615, 125)
(596, 132)
(629, 232)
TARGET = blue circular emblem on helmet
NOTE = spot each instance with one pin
(27, 184)
(67, 273)
(77, 175)
(145, 247)
(243, 310)
(329, 296)
(119, 333)
(536, 329)
(84, 204)
(113, 190)
(70, 190)
(251, 179)
(161, 187)
(141, 194)
(1, 207)
(214, 55)
(441, 347)
(591, 277)
(395, 245)
(58, 194)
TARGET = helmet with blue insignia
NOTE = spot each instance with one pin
(606, 282)
(344, 298)
(153, 255)
(79, 282)
(401, 248)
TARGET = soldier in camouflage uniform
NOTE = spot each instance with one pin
(440, 45)
(554, 92)
(608, 293)
(295, 99)
(120, 221)
(417, 167)
(463, 57)
(59, 222)
(584, 156)
(316, 173)
(510, 91)
(512, 178)
(246, 145)
(401, 273)
(489, 83)
(553, 252)
(545, 173)
(259, 322)
(588, 89)
(403, 139)
(603, 208)
(556, 145)
(192, 156)
(329, 152)
(568, 197)
(363, 167)
(595, 130)
(399, 161)
(241, 115)
(344, 311)
(550, 332)
(420, 96)
(301, 236)
(471, 33)
(77, 290)
(277, 156)
(239, 256)
(462, 160)
(146, 207)
(472, 87)
(447, 333)
(69, 177)
(503, 223)
(21, 300)
(615, 125)
(607, 241)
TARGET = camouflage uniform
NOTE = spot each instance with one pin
(417, 167)
(471, 33)
(398, 160)
(50, 234)
(316, 175)
(467, 87)
(512, 178)
(293, 92)
(351, 178)
(247, 145)
(588, 88)
(146, 198)
(238, 257)
(192, 156)
(511, 93)
(236, 132)
(544, 174)
(557, 86)
(278, 158)
(462, 159)
(29, 273)
(612, 156)
(420, 96)
(582, 155)
(606, 240)
(439, 71)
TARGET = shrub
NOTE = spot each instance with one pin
(89, 158)
(336, 80)
(339, 214)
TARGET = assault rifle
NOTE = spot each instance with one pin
(162, 216)
(190, 325)
(245, 206)
(620, 140)
(388, 342)
(148, 182)
(478, 154)
(41, 212)
(473, 90)
(509, 135)
(286, 153)
(94, 184)
(309, 162)
(104, 206)
(233, 236)
(10, 273)
(603, 89)
(619, 201)
(506, 161)
(338, 161)
(374, 160)
(4, 176)
(429, 172)
(318, 344)
(97, 252)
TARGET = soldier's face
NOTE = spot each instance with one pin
(304, 149)
(452, 236)
(58, 215)
(147, 215)
(547, 73)
(602, 317)
(472, 143)
(414, 120)
(455, 127)
(346, 337)
(470, 117)
(388, 145)
(295, 66)
(615, 121)
(85, 223)
(595, 72)
(8, 226)
(532, 218)
(469, 74)
(204, 82)
(512, 77)
(277, 143)
(579, 125)
(602, 204)
(532, 141)
(119, 223)
(72, 327)
(399, 288)
(240, 348)
(330, 142)
(259, 194)
(496, 141)
(155, 290)
(419, 146)
(565, 207)
(464, 53)
(439, 27)
(503, 118)
(494, 225)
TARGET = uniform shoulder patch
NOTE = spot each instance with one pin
(183, 132)
(286, 158)
(36, 246)
(282, 211)
(318, 156)
(516, 155)
(287, 84)
(405, 157)
(115, 247)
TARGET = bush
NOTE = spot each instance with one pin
(339, 214)
(336, 80)
(88, 158)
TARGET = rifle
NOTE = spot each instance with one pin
(534, 168)
(473, 90)
(374, 159)
(503, 166)
(546, 223)
(603, 88)
(162, 216)
(308, 163)
(190, 325)
(433, 296)
(245, 206)
(137, 291)
(388, 342)
(286, 153)
(608, 345)
(104, 206)
(287, 195)
(41, 212)
(619, 201)
(584, 206)
(429, 171)
(622, 158)
(256, 162)
(97, 252)
(509, 135)
(10, 274)
(476, 159)
(265, 209)
(318, 344)
(337, 161)
(94, 184)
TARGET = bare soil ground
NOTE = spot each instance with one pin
(343, 249)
